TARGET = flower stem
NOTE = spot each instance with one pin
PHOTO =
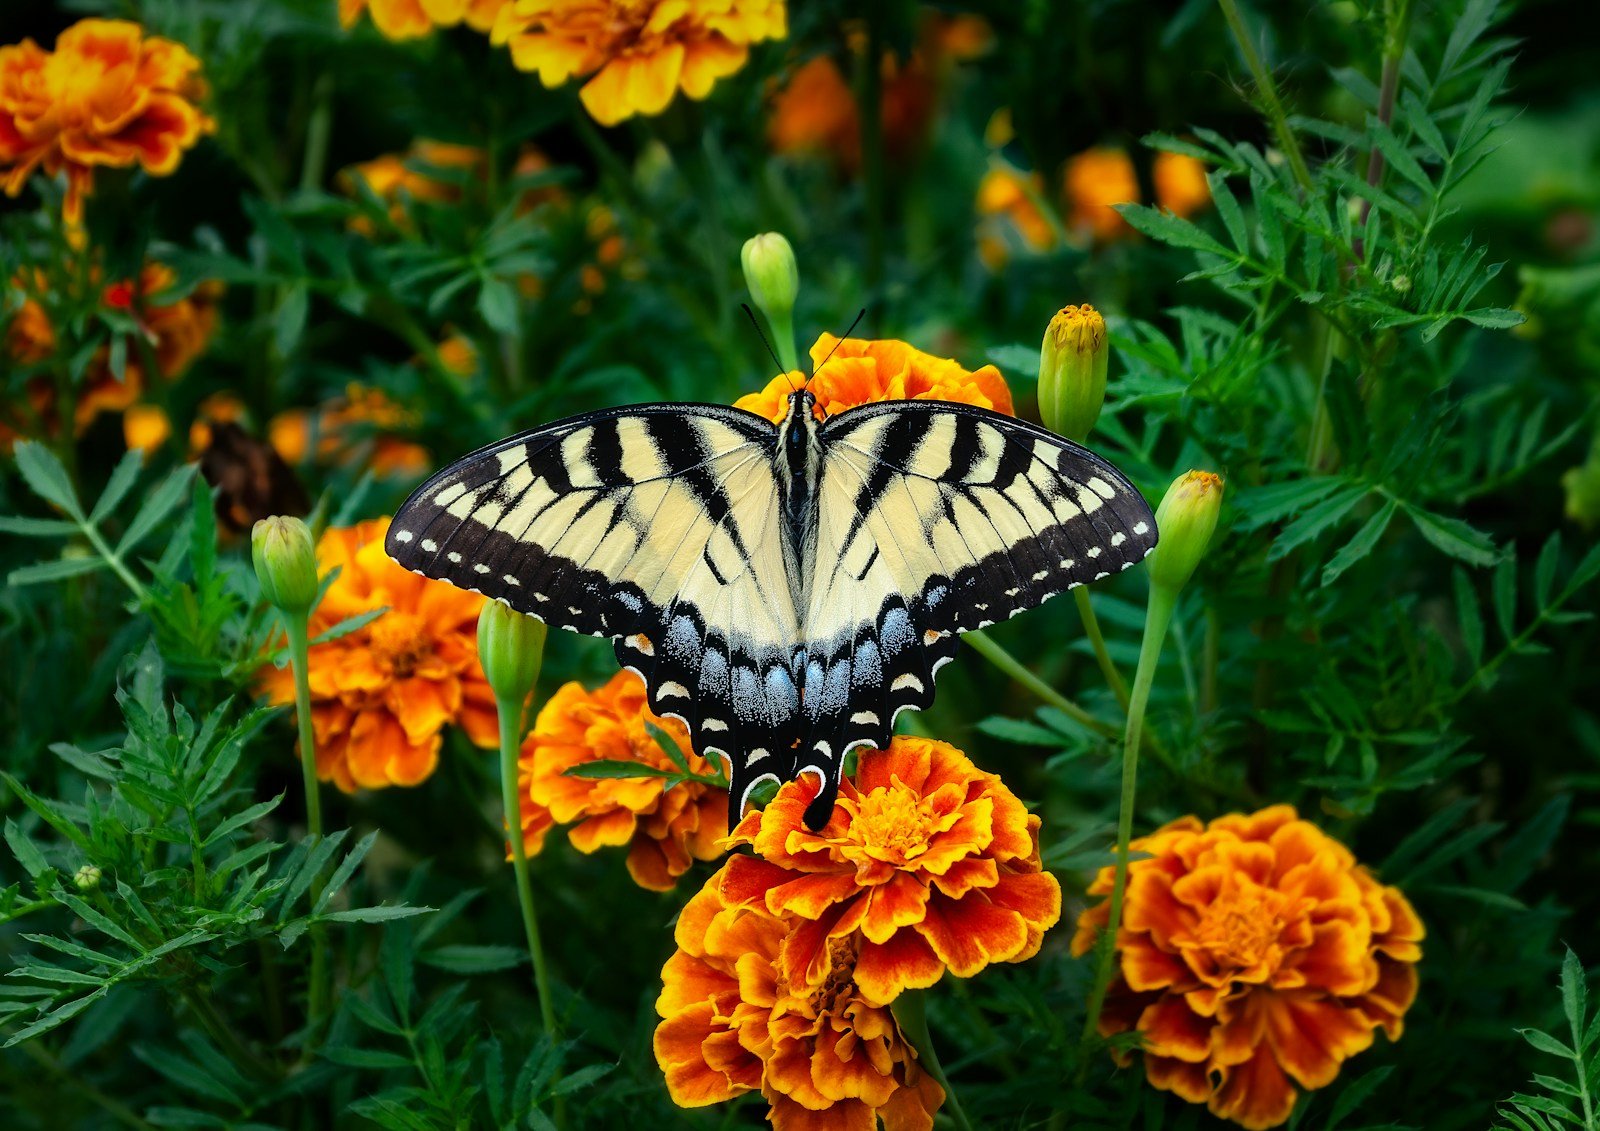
(911, 1014)
(986, 647)
(1268, 90)
(300, 661)
(1158, 615)
(783, 333)
(1097, 641)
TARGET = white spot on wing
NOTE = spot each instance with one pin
(403, 535)
(1141, 528)
(673, 689)
(1118, 538)
(479, 567)
(429, 545)
(1102, 488)
(453, 556)
(511, 580)
(1094, 551)
(869, 718)
(907, 682)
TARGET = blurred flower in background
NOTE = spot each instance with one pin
(1255, 956)
(400, 179)
(666, 829)
(383, 694)
(365, 427)
(107, 96)
(639, 54)
(410, 19)
(822, 1055)
(1010, 216)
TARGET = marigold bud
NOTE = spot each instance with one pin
(771, 274)
(1072, 371)
(86, 878)
(1185, 520)
(511, 648)
(286, 562)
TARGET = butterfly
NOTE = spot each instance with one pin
(784, 590)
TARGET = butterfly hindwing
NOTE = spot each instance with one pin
(655, 526)
(935, 519)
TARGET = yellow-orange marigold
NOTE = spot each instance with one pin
(863, 371)
(666, 829)
(1010, 216)
(928, 862)
(824, 1056)
(1094, 181)
(1180, 183)
(1255, 956)
(639, 52)
(400, 179)
(409, 19)
(108, 95)
(360, 427)
(382, 695)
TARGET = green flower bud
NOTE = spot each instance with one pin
(511, 648)
(1185, 520)
(1072, 371)
(771, 274)
(1582, 487)
(86, 878)
(286, 562)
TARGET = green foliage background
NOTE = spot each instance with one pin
(1393, 631)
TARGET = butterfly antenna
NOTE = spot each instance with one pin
(862, 313)
(762, 335)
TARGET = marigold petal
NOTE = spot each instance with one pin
(970, 933)
(678, 1043)
(1255, 1094)
(1172, 1029)
(787, 1115)
(903, 962)
(1185, 1079)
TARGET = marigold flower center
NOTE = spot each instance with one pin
(892, 824)
(399, 642)
(1244, 923)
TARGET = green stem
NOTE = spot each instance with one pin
(1271, 103)
(1091, 628)
(114, 560)
(218, 1029)
(319, 131)
(75, 1082)
(1158, 615)
(1396, 30)
(783, 340)
(985, 646)
(299, 661)
(911, 1014)
(510, 712)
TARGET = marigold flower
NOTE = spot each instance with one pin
(1255, 956)
(931, 861)
(1180, 182)
(733, 1022)
(666, 829)
(862, 371)
(360, 426)
(382, 695)
(1010, 216)
(108, 95)
(640, 52)
(409, 19)
(1095, 180)
(399, 179)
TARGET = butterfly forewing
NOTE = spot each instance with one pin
(656, 526)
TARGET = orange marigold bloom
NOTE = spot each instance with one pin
(733, 1022)
(359, 426)
(1095, 180)
(928, 862)
(380, 696)
(1180, 182)
(409, 19)
(640, 52)
(666, 829)
(106, 96)
(863, 371)
(1255, 957)
(1010, 216)
(402, 178)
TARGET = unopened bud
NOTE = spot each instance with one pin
(1072, 371)
(511, 649)
(286, 562)
(1186, 519)
(771, 274)
(86, 878)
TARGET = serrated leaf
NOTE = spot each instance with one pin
(346, 869)
(157, 506)
(497, 303)
(122, 479)
(1454, 537)
(1170, 229)
(349, 625)
(381, 914)
(1361, 545)
(46, 477)
(1544, 1042)
(617, 768)
(1020, 731)
(1469, 616)
(464, 959)
(54, 570)
(1505, 597)
(1495, 317)
(289, 324)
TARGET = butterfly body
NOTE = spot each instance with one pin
(784, 590)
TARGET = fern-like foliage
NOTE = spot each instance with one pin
(1572, 1098)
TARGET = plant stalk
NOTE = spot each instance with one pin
(911, 1014)
(1158, 615)
(300, 662)
(989, 649)
(1269, 94)
(1097, 641)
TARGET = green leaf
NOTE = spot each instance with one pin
(1017, 360)
(46, 477)
(375, 914)
(290, 322)
(36, 527)
(497, 302)
(349, 625)
(157, 507)
(1574, 991)
(1020, 731)
(1454, 537)
(122, 478)
(366, 1058)
(617, 768)
(1361, 545)
(1170, 229)
(54, 570)
(1495, 317)
(57, 1016)
(1544, 1042)
(1468, 614)
(463, 959)
(1505, 597)
(26, 852)
(346, 869)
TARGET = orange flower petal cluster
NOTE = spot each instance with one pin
(1094, 182)
(400, 179)
(732, 1022)
(639, 52)
(1255, 957)
(411, 19)
(1009, 214)
(666, 829)
(359, 427)
(928, 863)
(177, 329)
(108, 95)
(863, 371)
(382, 695)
